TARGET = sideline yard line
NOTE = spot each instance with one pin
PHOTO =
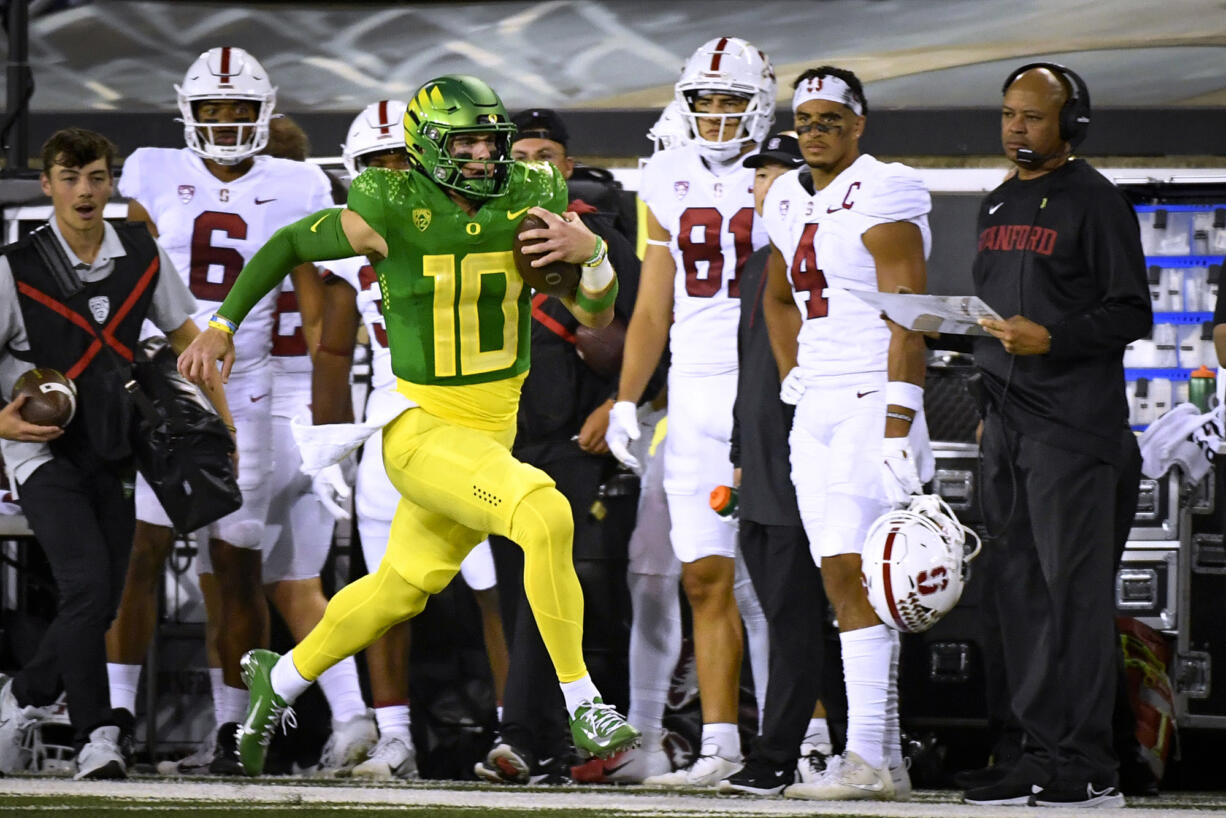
(180, 795)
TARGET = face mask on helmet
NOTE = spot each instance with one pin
(455, 123)
(377, 129)
(225, 75)
(915, 562)
(732, 66)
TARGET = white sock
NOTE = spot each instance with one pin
(818, 732)
(233, 705)
(287, 682)
(866, 672)
(892, 750)
(340, 687)
(217, 684)
(655, 644)
(725, 738)
(393, 720)
(757, 634)
(123, 680)
(578, 692)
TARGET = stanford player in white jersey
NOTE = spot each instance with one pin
(849, 222)
(701, 227)
(212, 205)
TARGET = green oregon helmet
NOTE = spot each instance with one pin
(456, 104)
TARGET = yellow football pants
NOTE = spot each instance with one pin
(457, 485)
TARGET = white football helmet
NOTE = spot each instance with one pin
(226, 73)
(378, 128)
(672, 129)
(914, 563)
(728, 65)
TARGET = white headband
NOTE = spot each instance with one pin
(828, 87)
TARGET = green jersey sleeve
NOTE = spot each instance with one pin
(368, 198)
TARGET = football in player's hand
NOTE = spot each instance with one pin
(601, 349)
(559, 279)
(51, 398)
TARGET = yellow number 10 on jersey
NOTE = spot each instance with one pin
(450, 306)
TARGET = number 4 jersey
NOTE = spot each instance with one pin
(820, 235)
(210, 228)
(714, 230)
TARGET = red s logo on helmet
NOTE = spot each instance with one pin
(930, 582)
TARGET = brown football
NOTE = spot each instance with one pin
(601, 349)
(559, 279)
(52, 398)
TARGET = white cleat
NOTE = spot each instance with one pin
(391, 758)
(15, 722)
(348, 745)
(813, 761)
(627, 767)
(902, 781)
(847, 778)
(707, 771)
(101, 757)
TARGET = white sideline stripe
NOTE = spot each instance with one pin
(599, 800)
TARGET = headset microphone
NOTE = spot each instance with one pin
(1028, 159)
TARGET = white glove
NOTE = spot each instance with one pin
(898, 475)
(331, 485)
(623, 428)
(792, 387)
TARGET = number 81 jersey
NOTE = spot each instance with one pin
(714, 230)
(211, 228)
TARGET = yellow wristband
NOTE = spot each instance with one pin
(224, 324)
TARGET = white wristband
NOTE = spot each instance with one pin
(906, 395)
(596, 279)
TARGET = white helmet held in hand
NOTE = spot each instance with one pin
(379, 127)
(728, 65)
(914, 563)
(226, 73)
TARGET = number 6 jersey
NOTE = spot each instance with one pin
(210, 228)
(714, 230)
(820, 235)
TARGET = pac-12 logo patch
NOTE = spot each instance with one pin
(681, 188)
(186, 192)
(422, 217)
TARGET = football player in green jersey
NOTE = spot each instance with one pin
(456, 313)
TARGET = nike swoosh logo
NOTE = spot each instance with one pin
(862, 394)
(515, 214)
(265, 201)
(258, 398)
(834, 209)
(319, 221)
(611, 770)
(1093, 793)
(995, 207)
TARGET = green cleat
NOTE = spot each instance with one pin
(265, 711)
(597, 729)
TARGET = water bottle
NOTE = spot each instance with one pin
(1202, 384)
(724, 501)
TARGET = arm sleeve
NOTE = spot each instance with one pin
(1112, 252)
(172, 302)
(318, 237)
